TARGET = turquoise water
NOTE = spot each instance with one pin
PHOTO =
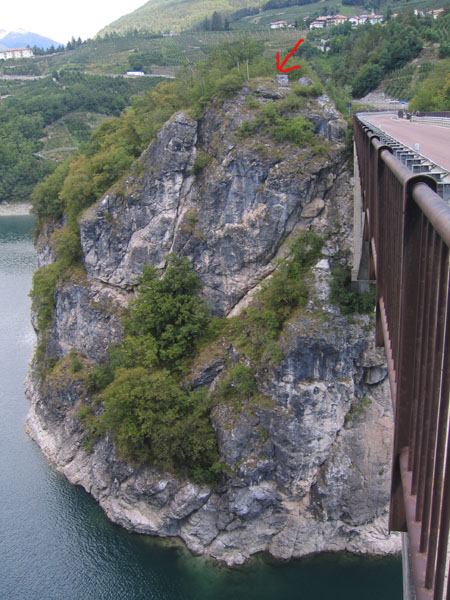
(56, 543)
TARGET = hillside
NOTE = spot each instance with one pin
(175, 15)
(181, 15)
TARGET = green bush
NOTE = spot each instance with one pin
(202, 160)
(311, 91)
(67, 247)
(296, 130)
(238, 384)
(149, 414)
(256, 330)
(43, 294)
(152, 419)
(247, 129)
(168, 314)
(344, 296)
(229, 84)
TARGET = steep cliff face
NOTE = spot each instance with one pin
(308, 468)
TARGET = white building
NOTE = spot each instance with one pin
(317, 25)
(376, 19)
(16, 53)
(278, 24)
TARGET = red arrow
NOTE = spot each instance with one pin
(281, 67)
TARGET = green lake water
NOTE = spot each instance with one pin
(56, 543)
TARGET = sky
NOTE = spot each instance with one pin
(62, 19)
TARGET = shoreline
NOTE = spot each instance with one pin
(18, 209)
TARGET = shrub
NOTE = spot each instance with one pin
(149, 415)
(311, 91)
(43, 294)
(251, 102)
(67, 247)
(202, 160)
(152, 419)
(296, 130)
(226, 86)
(344, 296)
(238, 384)
(168, 316)
(247, 129)
(258, 327)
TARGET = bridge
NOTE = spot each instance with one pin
(402, 241)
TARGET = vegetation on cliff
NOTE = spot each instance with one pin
(147, 403)
(150, 414)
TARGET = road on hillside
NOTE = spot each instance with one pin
(433, 140)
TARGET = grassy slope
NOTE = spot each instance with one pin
(179, 15)
(175, 15)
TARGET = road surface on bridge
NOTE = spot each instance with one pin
(433, 140)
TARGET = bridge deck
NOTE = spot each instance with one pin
(433, 140)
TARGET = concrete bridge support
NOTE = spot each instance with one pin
(361, 250)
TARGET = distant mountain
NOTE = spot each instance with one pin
(175, 15)
(22, 38)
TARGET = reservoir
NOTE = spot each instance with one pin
(56, 543)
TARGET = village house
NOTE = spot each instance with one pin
(435, 12)
(16, 53)
(375, 18)
(335, 20)
(278, 25)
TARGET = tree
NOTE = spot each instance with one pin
(367, 79)
(216, 22)
(169, 311)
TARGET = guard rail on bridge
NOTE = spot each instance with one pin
(413, 159)
(407, 227)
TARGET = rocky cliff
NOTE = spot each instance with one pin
(307, 469)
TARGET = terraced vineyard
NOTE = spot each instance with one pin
(442, 27)
(402, 84)
(111, 55)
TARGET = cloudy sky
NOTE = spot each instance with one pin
(62, 19)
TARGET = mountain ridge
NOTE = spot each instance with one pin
(19, 38)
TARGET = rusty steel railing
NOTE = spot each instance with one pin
(407, 226)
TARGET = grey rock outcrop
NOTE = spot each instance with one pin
(307, 468)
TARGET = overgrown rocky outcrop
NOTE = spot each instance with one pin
(306, 459)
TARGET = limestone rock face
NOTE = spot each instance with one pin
(307, 469)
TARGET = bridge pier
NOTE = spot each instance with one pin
(409, 592)
(361, 252)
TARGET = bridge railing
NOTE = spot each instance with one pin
(407, 226)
